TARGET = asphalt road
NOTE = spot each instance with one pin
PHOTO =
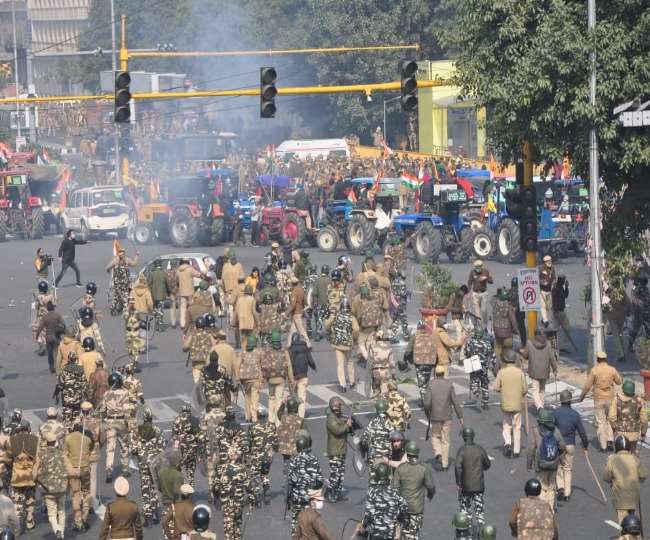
(167, 383)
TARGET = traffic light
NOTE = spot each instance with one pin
(268, 91)
(409, 85)
(528, 220)
(122, 108)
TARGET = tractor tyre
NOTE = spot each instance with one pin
(263, 236)
(427, 243)
(483, 243)
(328, 239)
(293, 230)
(143, 233)
(463, 250)
(38, 224)
(508, 242)
(183, 228)
(360, 234)
(4, 230)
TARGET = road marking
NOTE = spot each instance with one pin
(613, 524)
(162, 412)
(323, 392)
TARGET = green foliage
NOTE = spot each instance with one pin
(437, 284)
(529, 63)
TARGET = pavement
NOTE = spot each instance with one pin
(167, 383)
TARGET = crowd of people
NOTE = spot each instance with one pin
(274, 313)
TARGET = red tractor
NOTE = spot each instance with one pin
(20, 212)
(286, 225)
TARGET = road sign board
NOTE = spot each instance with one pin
(529, 295)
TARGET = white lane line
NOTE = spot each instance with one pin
(162, 412)
(613, 524)
(325, 394)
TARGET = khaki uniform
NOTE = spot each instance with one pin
(198, 345)
(24, 451)
(227, 360)
(603, 379)
(185, 275)
(88, 361)
(511, 382)
(625, 472)
(116, 410)
(443, 345)
(67, 345)
(78, 449)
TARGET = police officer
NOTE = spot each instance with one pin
(52, 477)
(321, 289)
(90, 328)
(399, 299)
(289, 424)
(301, 361)
(264, 443)
(52, 425)
(188, 438)
(149, 444)
(385, 508)
(421, 353)
(115, 409)
(532, 516)
(380, 366)
(471, 462)
(211, 419)
(79, 446)
(121, 280)
(568, 422)
(479, 344)
(215, 380)
(132, 324)
(520, 316)
(338, 428)
(178, 522)
(249, 374)
(24, 450)
(367, 310)
(88, 359)
(88, 299)
(344, 331)
(235, 493)
(276, 370)
(230, 435)
(303, 474)
(603, 378)
(462, 526)
(198, 346)
(375, 441)
(269, 318)
(40, 309)
(628, 416)
(72, 386)
(413, 480)
(122, 514)
(630, 528)
(399, 412)
(511, 383)
(625, 472)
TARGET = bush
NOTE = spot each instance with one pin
(437, 286)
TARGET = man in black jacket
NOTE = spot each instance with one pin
(301, 361)
(67, 255)
(471, 462)
(54, 326)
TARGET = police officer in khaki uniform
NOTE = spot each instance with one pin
(227, 359)
(122, 517)
(78, 450)
(603, 379)
(627, 415)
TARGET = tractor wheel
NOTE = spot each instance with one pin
(293, 230)
(463, 250)
(427, 243)
(216, 232)
(483, 243)
(475, 220)
(183, 228)
(143, 234)
(38, 224)
(328, 239)
(4, 230)
(361, 233)
(263, 236)
(508, 242)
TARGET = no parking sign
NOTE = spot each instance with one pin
(529, 295)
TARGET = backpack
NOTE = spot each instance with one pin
(274, 364)
(249, 368)
(370, 314)
(549, 453)
(342, 330)
(423, 350)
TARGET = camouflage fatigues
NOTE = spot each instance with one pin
(229, 435)
(115, 410)
(149, 443)
(134, 343)
(303, 475)
(52, 425)
(399, 412)
(216, 387)
(412, 526)
(289, 426)
(53, 480)
(41, 301)
(209, 423)
(269, 320)
(264, 442)
(121, 289)
(283, 279)
(423, 377)
(472, 504)
(200, 344)
(384, 508)
(535, 519)
(88, 300)
(73, 386)
(376, 437)
(398, 255)
(93, 332)
(399, 293)
(236, 492)
(24, 449)
(479, 380)
(187, 433)
(380, 366)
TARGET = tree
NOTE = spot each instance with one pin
(528, 62)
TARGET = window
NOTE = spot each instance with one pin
(86, 200)
(108, 196)
(73, 200)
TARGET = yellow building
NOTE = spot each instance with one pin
(445, 121)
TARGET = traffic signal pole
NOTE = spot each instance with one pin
(531, 256)
(124, 66)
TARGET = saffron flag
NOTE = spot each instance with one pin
(376, 186)
(116, 247)
(409, 180)
(387, 150)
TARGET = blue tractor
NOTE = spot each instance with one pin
(443, 228)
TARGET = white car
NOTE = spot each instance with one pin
(201, 261)
(96, 210)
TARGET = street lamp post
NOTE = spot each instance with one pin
(116, 134)
(13, 24)
(387, 101)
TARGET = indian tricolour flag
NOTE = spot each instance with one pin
(410, 181)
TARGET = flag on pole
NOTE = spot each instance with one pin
(387, 150)
(410, 181)
(376, 186)
(116, 247)
(493, 166)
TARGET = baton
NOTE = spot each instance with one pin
(600, 488)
